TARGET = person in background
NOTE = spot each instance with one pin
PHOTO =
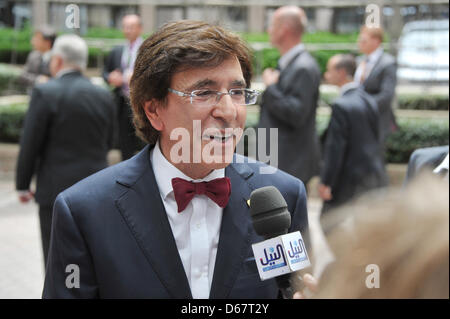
(377, 73)
(36, 69)
(429, 158)
(290, 100)
(117, 73)
(352, 159)
(67, 133)
(393, 244)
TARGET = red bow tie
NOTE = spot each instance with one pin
(218, 190)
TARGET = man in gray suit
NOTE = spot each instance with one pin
(353, 162)
(377, 74)
(290, 100)
(67, 133)
(36, 69)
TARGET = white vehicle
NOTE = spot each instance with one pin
(423, 52)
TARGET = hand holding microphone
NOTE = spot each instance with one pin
(281, 253)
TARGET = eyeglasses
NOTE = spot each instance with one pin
(209, 98)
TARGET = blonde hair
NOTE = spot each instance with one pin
(373, 32)
(405, 233)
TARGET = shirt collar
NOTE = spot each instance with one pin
(64, 72)
(442, 166)
(47, 56)
(348, 86)
(136, 44)
(375, 55)
(166, 171)
(288, 56)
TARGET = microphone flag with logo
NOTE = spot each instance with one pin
(281, 253)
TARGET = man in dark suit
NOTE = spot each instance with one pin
(36, 69)
(67, 132)
(290, 100)
(377, 72)
(117, 73)
(164, 224)
(353, 162)
(424, 159)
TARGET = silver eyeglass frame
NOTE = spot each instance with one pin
(218, 94)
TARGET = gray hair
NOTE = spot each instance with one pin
(72, 49)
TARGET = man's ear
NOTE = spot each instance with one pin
(151, 109)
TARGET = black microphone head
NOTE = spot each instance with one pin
(269, 212)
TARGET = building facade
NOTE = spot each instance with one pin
(239, 15)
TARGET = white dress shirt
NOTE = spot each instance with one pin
(129, 55)
(371, 60)
(196, 229)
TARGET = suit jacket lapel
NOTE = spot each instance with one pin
(234, 234)
(143, 210)
(375, 70)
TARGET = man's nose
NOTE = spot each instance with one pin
(225, 108)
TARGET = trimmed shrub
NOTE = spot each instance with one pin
(423, 102)
(11, 122)
(413, 134)
(8, 80)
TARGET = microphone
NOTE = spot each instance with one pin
(281, 253)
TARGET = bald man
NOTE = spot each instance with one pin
(290, 100)
(117, 73)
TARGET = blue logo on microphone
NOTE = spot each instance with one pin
(275, 258)
(297, 250)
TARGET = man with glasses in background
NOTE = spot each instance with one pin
(165, 224)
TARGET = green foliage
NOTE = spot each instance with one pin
(105, 33)
(413, 134)
(18, 39)
(11, 121)
(316, 37)
(322, 57)
(8, 80)
(423, 102)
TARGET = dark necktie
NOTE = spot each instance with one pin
(218, 190)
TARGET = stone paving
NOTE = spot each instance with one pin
(21, 260)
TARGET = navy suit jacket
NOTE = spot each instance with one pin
(353, 160)
(113, 227)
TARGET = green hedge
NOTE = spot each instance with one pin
(11, 122)
(432, 102)
(412, 133)
(423, 102)
(8, 80)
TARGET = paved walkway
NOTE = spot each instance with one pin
(21, 261)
